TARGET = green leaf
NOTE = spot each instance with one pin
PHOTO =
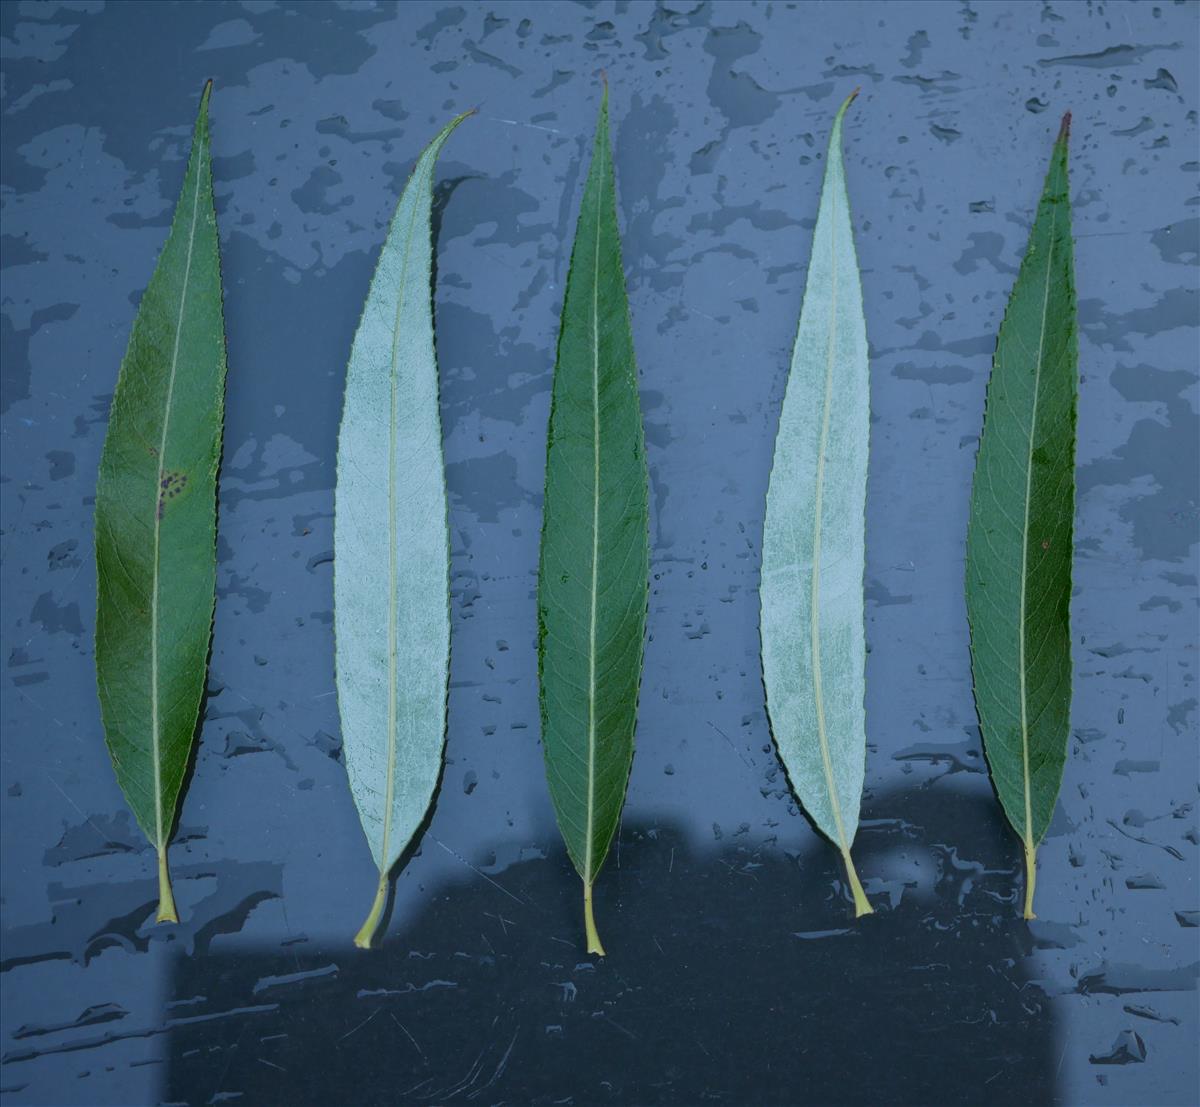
(1019, 538)
(592, 583)
(391, 545)
(156, 516)
(813, 648)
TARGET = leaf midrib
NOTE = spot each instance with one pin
(814, 585)
(589, 830)
(1037, 383)
(159, 507)
(393, 567)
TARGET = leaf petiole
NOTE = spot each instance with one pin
(862, 905)
(366, 934)
(1030, 878)
(166, 900)
(589, 922)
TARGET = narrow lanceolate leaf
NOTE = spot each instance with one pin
(592, 584)
(156, 516)
(813, 646)
(390, 542)
(1019, 538)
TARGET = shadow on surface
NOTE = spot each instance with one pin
(736, 975)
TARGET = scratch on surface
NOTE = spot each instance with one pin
(86, 818)
(25, 696)
(416, 1044)
(472, 1074)
(521, 123)
(741, 756)
(459, 857)
(504, 923)
(500, 1067)
(624, 1030)
(360, 1025)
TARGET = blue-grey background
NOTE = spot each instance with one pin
(736, 974)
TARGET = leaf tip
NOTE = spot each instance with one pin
(205, 95)
(841, 112)
(1064, 132)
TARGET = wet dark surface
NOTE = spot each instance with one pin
(736, 973)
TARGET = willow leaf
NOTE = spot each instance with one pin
(813, 646)
(391, 585)
(592, 584)
(156, 516)
(1019, 537)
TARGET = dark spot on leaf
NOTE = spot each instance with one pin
(171, 484)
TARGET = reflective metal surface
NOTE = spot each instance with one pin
(736, 973)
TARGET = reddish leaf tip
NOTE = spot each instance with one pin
(1064, 132)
